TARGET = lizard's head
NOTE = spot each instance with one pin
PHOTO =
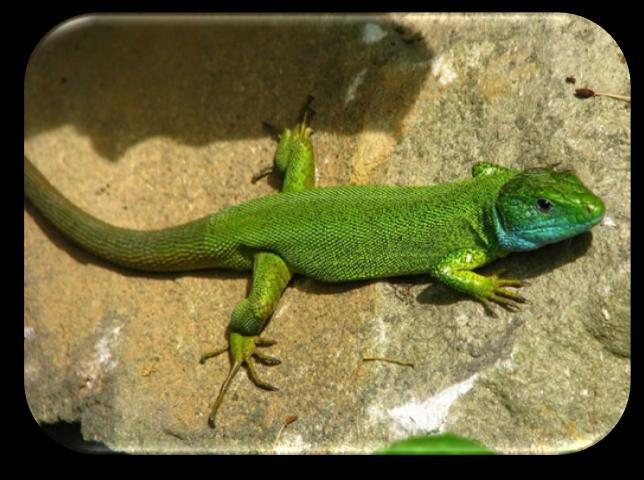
(541, 206)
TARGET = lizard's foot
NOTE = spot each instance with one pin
(504, 297)
(286, 138)
(243, 350)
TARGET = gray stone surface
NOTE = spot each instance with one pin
(148, 124)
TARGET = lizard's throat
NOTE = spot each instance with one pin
(509, 240)
(538, 235)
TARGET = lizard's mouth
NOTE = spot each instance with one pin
(517, 237)
(557, 231)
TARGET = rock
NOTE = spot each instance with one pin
(147, 127)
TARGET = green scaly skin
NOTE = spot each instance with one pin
(343, 233)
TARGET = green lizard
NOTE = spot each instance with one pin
(343, 233)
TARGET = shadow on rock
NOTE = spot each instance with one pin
(121, 82)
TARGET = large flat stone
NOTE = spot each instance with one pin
(150, 124)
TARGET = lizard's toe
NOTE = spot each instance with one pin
(252, 373)
(266, 359)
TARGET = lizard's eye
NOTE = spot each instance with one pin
(544, 205)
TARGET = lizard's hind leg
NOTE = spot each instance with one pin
(270, 277)
(294, 159)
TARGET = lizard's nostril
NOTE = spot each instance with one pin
(595, 207)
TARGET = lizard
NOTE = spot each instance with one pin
(343, 233)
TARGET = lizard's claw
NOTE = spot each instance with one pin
(242, 350)
(264, 172)
(504, 297)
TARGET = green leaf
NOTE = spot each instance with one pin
(445, 444)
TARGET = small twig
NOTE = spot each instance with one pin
(287, 421)
(402, 292)
(624, 98)
(587, 93)
(389, 360)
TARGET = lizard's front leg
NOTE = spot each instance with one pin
(455, 270)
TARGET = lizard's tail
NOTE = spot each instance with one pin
(183, 247)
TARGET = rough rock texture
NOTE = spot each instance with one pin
(149, 123)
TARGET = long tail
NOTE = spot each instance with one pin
(183, 247)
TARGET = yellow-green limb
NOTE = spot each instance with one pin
(455, 270)
(295, 161)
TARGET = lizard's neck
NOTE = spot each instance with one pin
(506, 240)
